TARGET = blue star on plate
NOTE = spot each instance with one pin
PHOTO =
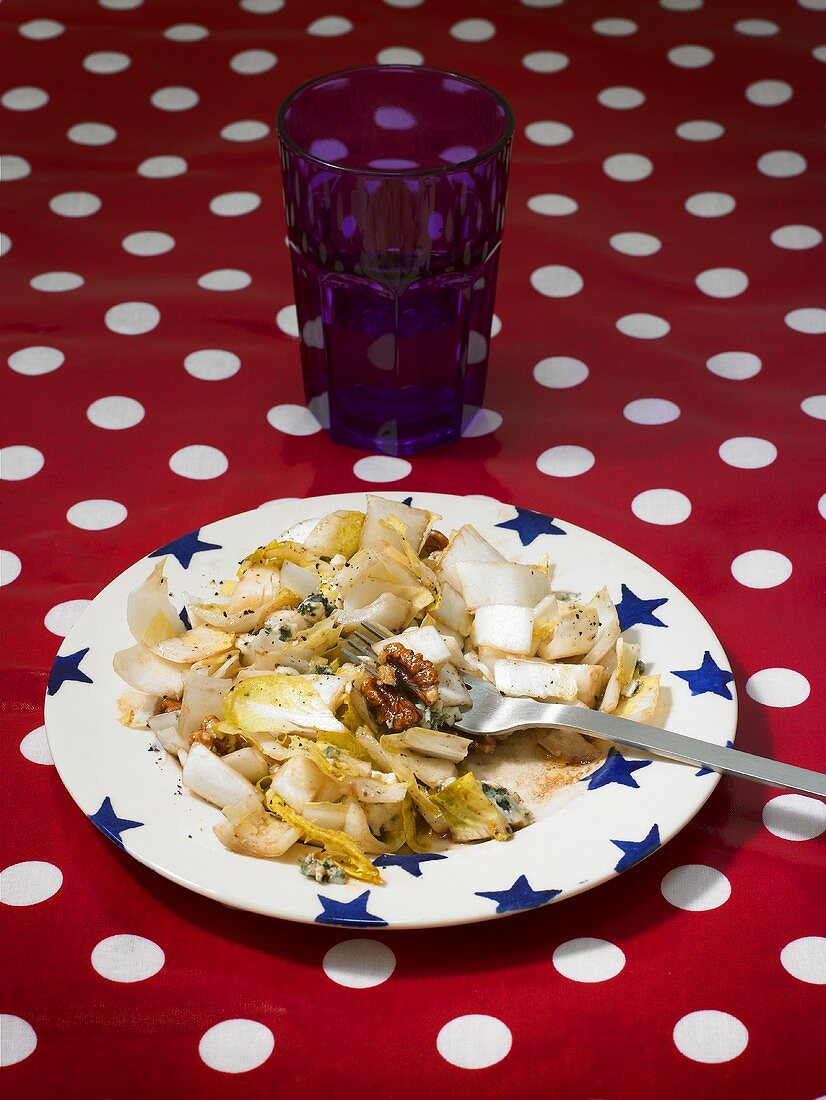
(519, 896)
(185, 548)
(110, 824)
(408, 501)
(708, 678)
(635, 850)
(182, 615)
(352, 913)
(616, 769)
(708, 771)
(635, 611)
(411, 864)
(65, 669)
(530, 525)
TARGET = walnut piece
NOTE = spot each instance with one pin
(484, 744)
(388, 705)
(168, 704)
(434, 542)
(214, 739)
(413, 673)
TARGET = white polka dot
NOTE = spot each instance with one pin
(560, 372)
(805, 959)
(35, 747)
(696, 888)
(37, 359)
(796, 237)
(495, 326)
(651, 410)
(120, 5)
(248, 129)
(483, 422)
(810, 320)
(781, 164)
(10, 567)
(17, 1037)
(186, 32)
(115, 413)
(664, 507)
(565, 460)
(761, 568)
(24, 98)
(690, 57)
(643, 326)
(199, 462)
(174, 98)
(477, 347)
(548, 133)
(819, 53)
(710, 1036)
(681, 5)
(621, 97)
(815, 406)
(162, 168)
(132, 318)
(212, 364)
(236, 1046)
(556, 281)
(555, 206)
(39, 30)
(538, 3)
(148, 242)
(330, 26)
(545, 61)
(75, 204)
(813, 5)
(96, 515)
(474, 1042)
(795, 817)
(13, 167)
(473, 30)
(399, 55)
(19, 462)
(756, 28)
(127, 958)
(262, 7)
(253, 62)
(56, 282)
(29, 883)
(769, 93)
(5, 244)
(722, 282)
(404, 3)
(778, 687)
(614, 28)
(821, 506)
(359, 963)
(225, 278)
(627, 167)
(748, 452)
(710, 204)
(734, 365)
(636, 244)
(382, 468)
(587, 959)
(62, 617)
(287, 320)
(699, 129)
(293, 420)
(91, 133)
(106, 62)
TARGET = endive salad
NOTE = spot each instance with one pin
(299, 746)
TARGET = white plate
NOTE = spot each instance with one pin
(591, 832)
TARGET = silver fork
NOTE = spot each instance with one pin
(492, 714)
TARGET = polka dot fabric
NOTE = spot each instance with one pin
(657, 379)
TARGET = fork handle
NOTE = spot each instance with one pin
(676, 746)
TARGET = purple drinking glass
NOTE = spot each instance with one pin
(395, 179)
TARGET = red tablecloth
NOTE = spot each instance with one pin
(662, 322)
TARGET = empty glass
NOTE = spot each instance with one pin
(395, 179)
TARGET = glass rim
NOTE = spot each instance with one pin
(442, 169)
